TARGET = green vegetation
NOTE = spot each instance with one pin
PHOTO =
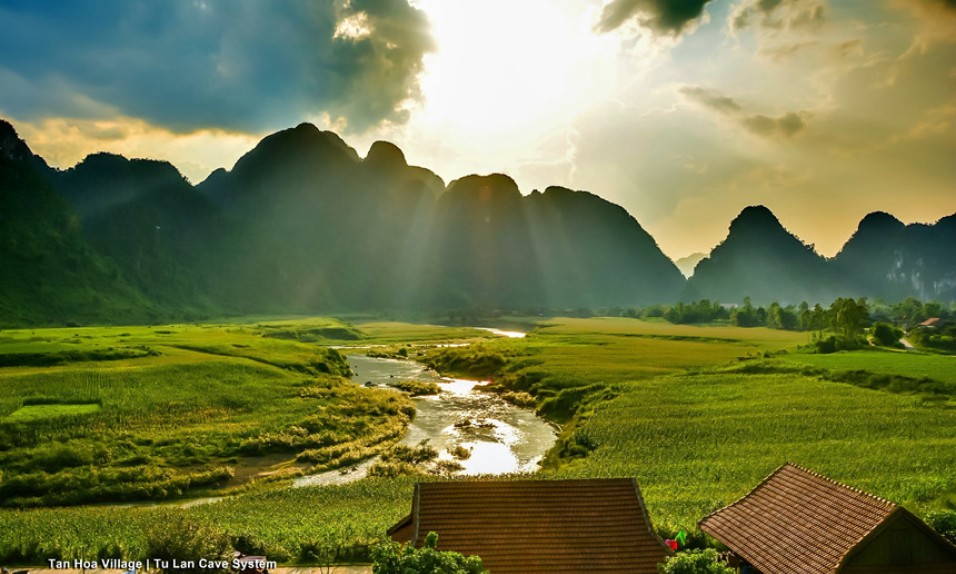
(914, 365)
(37, 412)
(695, 562)
(698, 414)
(944, 521)
(674, 406)
(185, 540)
(286, 525)
(140, 413)
(417, 388)
(419, 460)
(397, 559)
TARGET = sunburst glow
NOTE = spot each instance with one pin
(505, 70)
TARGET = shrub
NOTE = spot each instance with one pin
(944, 522)
(418, 388)
(460, 452)
(835, 343)
(695, 562)
(887, 335)
(393, 558)
(173, 536)
(519, 399)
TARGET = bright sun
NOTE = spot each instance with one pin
(507, 72)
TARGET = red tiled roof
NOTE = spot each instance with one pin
(797, 522)
(929, 322)
(595, 526)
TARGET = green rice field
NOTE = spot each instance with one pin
(699, 414)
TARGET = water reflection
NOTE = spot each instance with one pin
(502, 438)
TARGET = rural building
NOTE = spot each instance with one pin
(800, 522)
(933, 322)
(595, 526)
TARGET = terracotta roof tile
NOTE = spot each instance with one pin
(565, 526)
(797, 522)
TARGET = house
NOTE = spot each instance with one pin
(799, 522)
(932, 322)
(598, 526)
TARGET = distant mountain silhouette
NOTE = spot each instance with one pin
(146, 217)
(762, 260)
(687, 264)
(595, 252)
(49, 273)
(303, 224)
(885, 258)
(322, 228)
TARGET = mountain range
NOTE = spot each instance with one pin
(303, 224)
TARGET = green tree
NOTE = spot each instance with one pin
(745, 316)
(394, 558)
(848, 317)
(695, 562)
(804, 317)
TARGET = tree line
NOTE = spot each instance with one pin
(846, 319)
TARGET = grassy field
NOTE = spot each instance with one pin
(116, 414)
(701, 414)
(697, 442)
(698, 414)
(908, 364)
(285, 525)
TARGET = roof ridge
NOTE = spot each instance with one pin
(829, 480)
(471, 481)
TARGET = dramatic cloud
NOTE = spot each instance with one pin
(239, 65)
(823, 111)
(662, 16)
(785, 126)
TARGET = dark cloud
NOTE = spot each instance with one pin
(785, 126)
(711, 99)
(662, 16)
(233, 64)
(951, 4)
(779, 14)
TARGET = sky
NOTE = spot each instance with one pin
(682, 111)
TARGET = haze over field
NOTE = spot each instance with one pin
(682, 113)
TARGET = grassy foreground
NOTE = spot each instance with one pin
(132, 413)
(698, 414)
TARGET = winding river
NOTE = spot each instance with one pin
(502, 438)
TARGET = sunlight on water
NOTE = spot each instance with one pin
(460, 387)
(502, 438)
(509, 334)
